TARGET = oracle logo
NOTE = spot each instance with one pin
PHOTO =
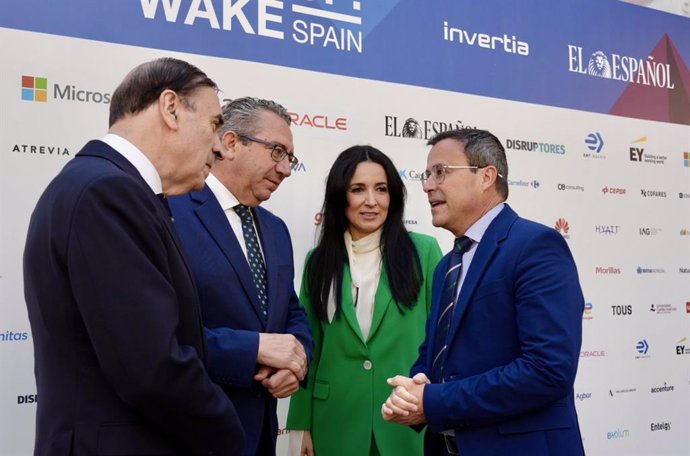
(319, 121)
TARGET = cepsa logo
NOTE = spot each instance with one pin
(613, 191)
(321, 121)
(336, 27)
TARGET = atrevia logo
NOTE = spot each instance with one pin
(642, 348)
(57, 151)
(682, 348)
(642, 270)
(638, 154)
(412, 128)
(595, 143)
(686, 159)
(11, 336)
(335, 27)
(662, 426)
(535, 146)
(620, 68)
(618, 434)
(613, 191)
(35, 88)
(662, 389)
(506, 43)
(587, 313)
(563, 227)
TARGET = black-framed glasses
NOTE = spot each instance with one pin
(278, 151)
(438, 172)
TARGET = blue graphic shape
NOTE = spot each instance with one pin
(642, 347)
(594, 142)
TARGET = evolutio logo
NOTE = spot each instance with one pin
(35, 88)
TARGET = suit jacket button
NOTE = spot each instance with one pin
(367, 365)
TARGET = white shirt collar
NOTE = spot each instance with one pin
(478, 228)
(137, 158)
(225, 198)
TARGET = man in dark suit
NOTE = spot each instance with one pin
(118, 341)
(241, 256)
(495, 374)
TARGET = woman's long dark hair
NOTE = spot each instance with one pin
(399, 255)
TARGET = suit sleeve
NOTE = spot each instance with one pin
(119, 259)
(299, 415)
(548, 310)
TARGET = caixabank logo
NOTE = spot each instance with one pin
(332, 26)
(410, 127)
(34, 88)
(38, 89)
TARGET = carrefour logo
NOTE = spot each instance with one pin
(34, 88)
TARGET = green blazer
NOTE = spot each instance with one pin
(347, 376)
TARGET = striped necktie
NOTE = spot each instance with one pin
(448, 298)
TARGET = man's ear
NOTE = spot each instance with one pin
(489, 176)
(229, 143)
(168, 106)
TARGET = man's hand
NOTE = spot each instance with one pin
(280, 383)
(282, 351)
(405, 405)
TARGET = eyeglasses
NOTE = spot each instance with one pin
(278, 151)
(438, 172)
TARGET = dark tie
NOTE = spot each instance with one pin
(164, 201)
(447, 303)
(256, 260)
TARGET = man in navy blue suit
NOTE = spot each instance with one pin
(118, 341)
(241, 255)
(495, 374)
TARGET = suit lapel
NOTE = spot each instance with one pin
(494, 235)
(348, 308)
(383, 299)
(213, 218)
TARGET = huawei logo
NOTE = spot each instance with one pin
(562, 226)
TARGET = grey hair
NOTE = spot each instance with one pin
(482, 149)
(241, 115)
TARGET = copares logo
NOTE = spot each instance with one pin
(34, 88)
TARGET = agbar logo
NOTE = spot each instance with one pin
(34, 88)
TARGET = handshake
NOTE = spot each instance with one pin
(405, 405)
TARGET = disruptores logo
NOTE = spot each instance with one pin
(506, 43)
(412, 128)
(330, 26)
(661, 389)
(535, 146)
(34, 88)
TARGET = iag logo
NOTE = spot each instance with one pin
(34, 88)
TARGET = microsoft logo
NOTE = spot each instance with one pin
(34, 89)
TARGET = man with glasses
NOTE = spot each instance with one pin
(495, 374)
(241, 256)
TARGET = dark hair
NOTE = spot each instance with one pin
(399, 255)
(482, 149)
(145, 83)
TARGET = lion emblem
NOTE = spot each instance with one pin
(411, 129)
(599, 65)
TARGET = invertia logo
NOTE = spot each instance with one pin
(621, 68)
(506, 43)
(563, 227)
(613, 191)
(319, 121)
(35, 88)
(637, 153)
(607, 270)
(315, 26)
(411, 128)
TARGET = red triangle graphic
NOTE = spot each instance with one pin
(659, 103)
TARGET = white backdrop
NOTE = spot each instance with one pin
(632, 251)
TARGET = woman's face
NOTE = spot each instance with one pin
(367, 200)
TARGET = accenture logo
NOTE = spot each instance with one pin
(662, 389)
(613, 191)
(643, 270)
(607, 270)
(424, 129)
(643, 71)
(535, 146)
(35, 88)
(652, 193)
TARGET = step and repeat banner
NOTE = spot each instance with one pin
(590, 98)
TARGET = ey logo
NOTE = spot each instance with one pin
(34, 89)
(636, 152)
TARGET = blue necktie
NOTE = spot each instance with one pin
(256, 260)
(447, 303)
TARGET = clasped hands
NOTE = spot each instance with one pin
(283, 363)
(405, 405)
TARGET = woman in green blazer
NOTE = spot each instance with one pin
(372, 328)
